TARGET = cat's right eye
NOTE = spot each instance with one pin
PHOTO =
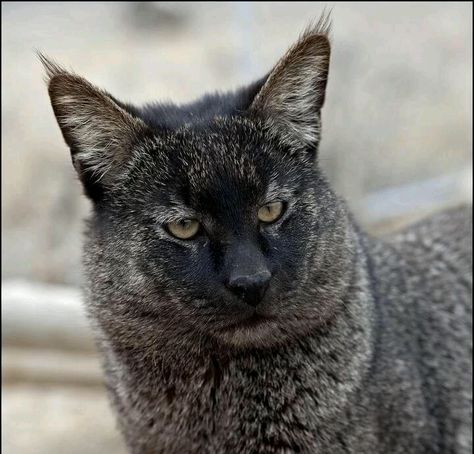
(184, 229)
(270, 212)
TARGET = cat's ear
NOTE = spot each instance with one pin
(294, 92)
(98, 130)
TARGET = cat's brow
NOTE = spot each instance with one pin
(278, 192)
(164, 214)
(176, 211)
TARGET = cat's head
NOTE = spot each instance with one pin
(210, 219)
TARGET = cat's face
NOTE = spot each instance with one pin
(215, 226)
(219, 178)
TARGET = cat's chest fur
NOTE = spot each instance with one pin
(264, 402)
(315, 395)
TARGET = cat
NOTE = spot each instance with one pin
(237, 305)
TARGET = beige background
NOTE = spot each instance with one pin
(396, 143)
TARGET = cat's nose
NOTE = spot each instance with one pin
(250, 287)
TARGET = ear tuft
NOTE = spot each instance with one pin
(294, 93)
(320, 27)
(51, 68)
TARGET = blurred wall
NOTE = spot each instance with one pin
(398, 108)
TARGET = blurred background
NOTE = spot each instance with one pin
(397, 141)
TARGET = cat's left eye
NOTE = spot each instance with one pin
(185, 229)
(270, 212)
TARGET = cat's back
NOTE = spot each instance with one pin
(431, 259)
(428, 266)
(436, 259)
(444, 238)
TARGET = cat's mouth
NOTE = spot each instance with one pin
(250, 330)
(254, 320)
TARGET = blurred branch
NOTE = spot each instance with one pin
(399, 205)
(41, 315)
(50, 367)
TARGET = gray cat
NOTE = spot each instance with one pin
(237, 305)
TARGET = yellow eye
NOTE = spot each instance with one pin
(270, 212)
(184, 229)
